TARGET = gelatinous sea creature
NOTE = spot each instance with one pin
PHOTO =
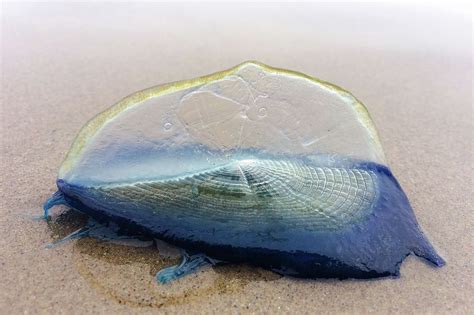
(253, 164)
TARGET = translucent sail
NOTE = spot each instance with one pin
(250, 107)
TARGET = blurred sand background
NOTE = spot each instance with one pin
(62, 64)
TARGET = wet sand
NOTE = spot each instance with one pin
(61, 65)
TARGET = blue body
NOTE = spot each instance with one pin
(374, 247)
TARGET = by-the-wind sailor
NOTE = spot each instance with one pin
(253, 164)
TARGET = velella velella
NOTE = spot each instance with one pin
(252, 164)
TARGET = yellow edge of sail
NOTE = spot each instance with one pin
(96, 123)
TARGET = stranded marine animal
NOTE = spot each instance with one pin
(253, 164)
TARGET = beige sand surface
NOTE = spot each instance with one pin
(61, 65)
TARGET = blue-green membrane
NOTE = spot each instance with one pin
(372, 246)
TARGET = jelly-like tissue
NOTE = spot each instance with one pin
(253, 164)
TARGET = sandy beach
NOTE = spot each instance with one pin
(61, 65)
